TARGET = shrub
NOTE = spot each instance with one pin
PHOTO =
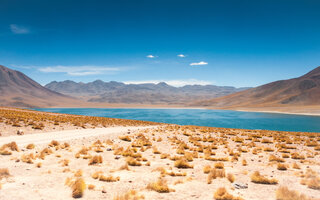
(97, 159)
(219, 165)
(295, 166)
(282, 166)
(182, 163)
(230, 177)
(256, 177)
(156, 151)
(206, 169)
(91, 187)
(78, 188)
(297, 156)
(4, 173)
(160, 186)
(124, 167)
(275, 158)
(109, 178)
(54, 143)
(30, 146)
(133, 162)
(283, 193)
(125, 138)
(215, 173)
(96, 175)
(222, 194)
(12, 146)
(131, 195)
(28, 158)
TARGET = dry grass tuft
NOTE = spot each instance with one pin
(182, 163)
(282, 166)
(283, 193)
(256, 177)
(275, 158)
(130, 195)
(30, 146)
(231, 177)
(311, 179)
(206, 169)
(91, 187)
(125, 138)
(160, 186)
(219, 165)
(215, 173)
(78, 188)
(133, 162)
(109, 178)
(4, 173)
(222, 194)
(97, 159)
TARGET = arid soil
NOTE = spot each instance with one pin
(160, 162)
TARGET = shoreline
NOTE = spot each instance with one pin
(189, 108)
(279, 112)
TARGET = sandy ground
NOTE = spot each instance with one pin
(27, 181)
(66, 135)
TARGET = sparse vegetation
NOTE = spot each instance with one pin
(160, 186)
(256, 177)
(78, 188)
(222, 194)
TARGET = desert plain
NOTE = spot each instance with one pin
(58, 156)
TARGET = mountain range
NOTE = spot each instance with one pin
(301, 95)
(294, 93)
(149, 93)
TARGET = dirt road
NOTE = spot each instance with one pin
(42, 138)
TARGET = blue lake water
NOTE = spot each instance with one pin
(202, 117)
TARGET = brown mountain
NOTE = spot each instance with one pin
(296, 92)
(17, 89)
(152, 94)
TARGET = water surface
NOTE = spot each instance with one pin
(203, 117)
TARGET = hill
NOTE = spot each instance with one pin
(19, 90)
(298, 92)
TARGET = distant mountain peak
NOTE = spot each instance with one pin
(17, 89)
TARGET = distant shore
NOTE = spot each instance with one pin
(310, 111)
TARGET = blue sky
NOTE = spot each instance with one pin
(230, 42)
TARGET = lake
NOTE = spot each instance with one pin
(203, 117)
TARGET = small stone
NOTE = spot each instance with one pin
(20, 132)
(240, 185)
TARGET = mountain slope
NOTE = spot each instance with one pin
(117, 92)
(301, 91)
(17, 89)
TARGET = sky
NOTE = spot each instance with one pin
(241, 43)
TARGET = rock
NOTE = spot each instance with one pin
(104, 190)
(109, 149)
(117, 157)
(20, 132)
(240, 185)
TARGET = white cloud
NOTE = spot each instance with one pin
(150, 56)
(17, 29)
(176, 83)
(79, 70)
(199, 63)
(181, 56)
